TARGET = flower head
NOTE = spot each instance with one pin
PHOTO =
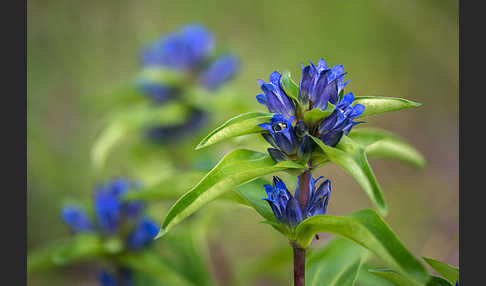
(274, 96)
(286, 207)
(76, 218)
(182, 50)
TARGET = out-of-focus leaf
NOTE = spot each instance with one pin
(352, 158)
(131, 122)
(64, 252)
(162, 75)
(314, 115)
(152, 264)
(383, 144)
(336, 264)
(447, 271)
(369, 230)
(381, 104)
(246, 123)
(236, 168)
(401, 280)
(290, 87)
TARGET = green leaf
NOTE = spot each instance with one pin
(336, 264)
(236, 168)
(129, 122)
(447, 271)
(246, 123)
(162, 75)
(253, 193)
(352, 158)
(150, 263)
(289, 86)
(383, 144)
(380, 104)
(401, 280)
(369, 230)
(315, 115)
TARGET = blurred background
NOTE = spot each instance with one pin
(80, 51)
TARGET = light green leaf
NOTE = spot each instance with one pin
(315, 115)
(129, 123)
(336, 264)
(289, 86)
(381, 104)
(246, 123)
(369, 230)
(236, 168)
(383, 144)
(366, 278)
(150, 263)
(401, 280)
(162, 75)
(352, 158)
(447, 271)
(253, 193)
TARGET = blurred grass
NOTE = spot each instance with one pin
(80, 51)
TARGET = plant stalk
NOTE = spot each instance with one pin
(304, 189)
(299, 265)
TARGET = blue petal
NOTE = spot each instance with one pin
(261, 99)
(293, 212)
(108, 211)
(106, 279)
(306, 84)
(143, 234)
(76, 218)
(220, 71)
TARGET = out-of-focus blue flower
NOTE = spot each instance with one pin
(221, 70)
(143, 234)
(123, 277)
(182, 50)
(281, 136)
(286, 207)
(340, 122)
(158, 93)
(274, 96)
(76, 218)
(321, 84)
(108, 210)
(118, 188)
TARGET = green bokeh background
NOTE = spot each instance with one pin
(79, 51)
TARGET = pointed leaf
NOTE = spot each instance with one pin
(289, 86)
(243, 124)
(383, 144)
(380, 104)
(352, 158)
(337, 264)
(447, 271)
(236, 168)
(401, 280)
(369, 230)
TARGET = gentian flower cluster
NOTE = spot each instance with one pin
(286, 208)
(188, 52)
(114, 217)
(321, 87)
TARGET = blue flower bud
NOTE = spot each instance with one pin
(143, 234)
(76, 218)
(274, 96)
(281, 134)
(285, 206)
(108, 210)
(221, 70)
(182, 50)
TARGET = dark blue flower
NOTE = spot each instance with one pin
(76, 218)
(182, 50)
(123, 277)
(118, 188)
(274, 96)
(221, 70)
(281, 134)
(286, 208)
(106, 278)
(340, 122)
(321, 84)
(143, 234)
(108, 210)
(158, 93)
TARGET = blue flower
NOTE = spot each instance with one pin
(76, 218)
(340, 122)
(221, 70)
(123, 277)
(274, 97)
(143, 234)
(321, 84)
(182, 50)
(108, 210)
(286, 208)
(281, 135)
(118, 188)
(158, 93)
